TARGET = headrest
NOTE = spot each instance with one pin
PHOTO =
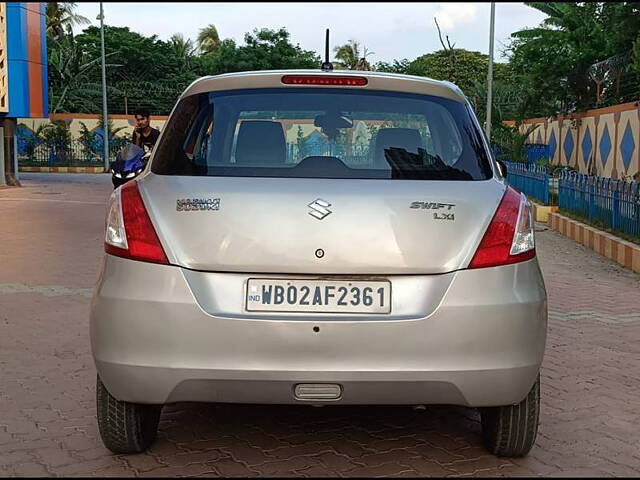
(407, 138)
(260, 142)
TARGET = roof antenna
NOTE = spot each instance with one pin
(326, 66)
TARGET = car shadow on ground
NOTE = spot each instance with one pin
(349, 430)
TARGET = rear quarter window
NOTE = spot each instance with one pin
(322, 133)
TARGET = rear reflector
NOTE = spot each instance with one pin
(130, 233)
(324, 80)
(509, 237)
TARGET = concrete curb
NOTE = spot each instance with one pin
(62, 169)
(614, 248)
(541, 212)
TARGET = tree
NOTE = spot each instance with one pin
(264, 49)
(183, 49)
(208, 40)
(507, 101)
(468, 69)
(447, 49)
(465, 68)
(61, 17)
(151, 72)
(141, 58)
(349, 57)
(552, 61)
(511, 140)
(363, 63)
(635, 58)
(398, 66)
(70, 71)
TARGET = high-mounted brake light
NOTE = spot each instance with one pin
(509, 237)
(129, 232)
(324, 80)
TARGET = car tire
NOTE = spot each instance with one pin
(125, 427)
(510, 431)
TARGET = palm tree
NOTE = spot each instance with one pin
(559, 52)
(348, 56)
(61, 17)
(184, 49)
(70, 68)
(562, 19)
(208, 39)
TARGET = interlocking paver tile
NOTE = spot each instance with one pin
(229, 468)
(144, 463)
(481, 463)
(426, 467)
(338, 462)
(386, 469)
(350, 448)
(30, 469)
(390, 456)
(81, 468)
(286, 467)
(435, 453)
(201, 445)
(311, 448)
(194, 469)
(402, 442)
(247, 454)
(316, 471)
(54, 456)
(590, 377)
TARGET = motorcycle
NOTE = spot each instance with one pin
(129, 163)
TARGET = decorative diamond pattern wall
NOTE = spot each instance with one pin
(605, 146)
(587, 146)
(553, 144)
(627, 146)
(568, 146)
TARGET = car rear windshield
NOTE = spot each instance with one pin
(322, 133)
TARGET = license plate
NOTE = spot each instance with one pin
(321, 296)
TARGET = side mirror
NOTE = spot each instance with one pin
(502, 167)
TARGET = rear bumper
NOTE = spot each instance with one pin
(161, 385)
(157, 338)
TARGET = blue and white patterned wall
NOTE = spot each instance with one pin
(604, 141)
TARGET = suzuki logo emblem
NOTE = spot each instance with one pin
(319, 208)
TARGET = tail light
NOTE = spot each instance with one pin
(129, 231)
(324, 80)
(509, 237)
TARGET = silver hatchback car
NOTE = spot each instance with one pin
(310, 237)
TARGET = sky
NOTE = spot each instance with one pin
(390, 30)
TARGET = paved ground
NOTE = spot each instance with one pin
(51, 237)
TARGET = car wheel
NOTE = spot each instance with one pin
(510, 431)
(125, 427)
